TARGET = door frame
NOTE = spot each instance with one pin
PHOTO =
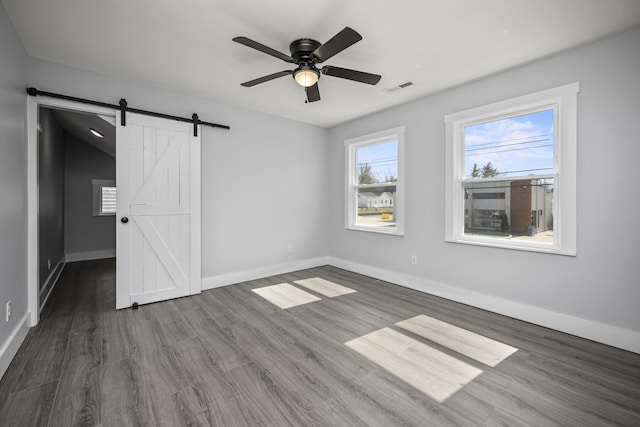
(33, 105)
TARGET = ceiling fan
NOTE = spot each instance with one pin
(306, 53)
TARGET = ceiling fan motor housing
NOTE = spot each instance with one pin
(302, 49)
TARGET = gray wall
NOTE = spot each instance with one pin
(51, 160)
(601, 284)
(83, 231)
(264, 182)
(13, 180)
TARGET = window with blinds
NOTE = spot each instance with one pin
(108, 200)
(104, 197)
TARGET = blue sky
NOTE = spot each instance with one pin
(382, 157)
(516, 146)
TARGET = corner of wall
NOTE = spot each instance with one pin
(221, 280)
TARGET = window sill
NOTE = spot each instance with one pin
(394, 232)
(527, 247)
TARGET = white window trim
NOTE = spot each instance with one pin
(565, 99)
(351, 202)
(97, 195)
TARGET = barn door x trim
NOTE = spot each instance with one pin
(158, 241)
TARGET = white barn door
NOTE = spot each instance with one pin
(158, 210)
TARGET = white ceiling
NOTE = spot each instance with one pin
(186, 46)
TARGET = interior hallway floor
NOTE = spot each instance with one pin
(347, 350)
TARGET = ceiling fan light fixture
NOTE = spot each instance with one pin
(306, 76)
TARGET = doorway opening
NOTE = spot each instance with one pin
(64, 156)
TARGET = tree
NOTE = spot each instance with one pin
(488, 171)
(366, 175)
(475, 172)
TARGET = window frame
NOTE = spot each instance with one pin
(352, 186)
(564, 101)
(98, 184)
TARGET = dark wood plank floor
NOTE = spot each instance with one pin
(228, 357)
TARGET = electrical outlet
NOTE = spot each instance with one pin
(414, 260)
(8, 310)
(289, 248)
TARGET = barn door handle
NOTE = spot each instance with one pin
(124, 220)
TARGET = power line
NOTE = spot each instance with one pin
(519, 177)
(526, 170)
(513, 149)
(510, 139)
(507, 145)
(502, 187)
(379, 160)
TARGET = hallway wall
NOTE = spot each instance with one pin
(51, 192)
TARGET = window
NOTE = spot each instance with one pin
(511, 173)
(104, 197)
(375, 197)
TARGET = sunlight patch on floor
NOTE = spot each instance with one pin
(285, 295)
(475, 346)
(324, 287)
(431, 371)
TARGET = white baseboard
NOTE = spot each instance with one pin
(212, 282)
(51, 282)
(12, 345)
(625, 339)
(91, 255)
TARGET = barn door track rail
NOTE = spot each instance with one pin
(124, 108)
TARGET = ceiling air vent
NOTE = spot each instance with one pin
(401, 86)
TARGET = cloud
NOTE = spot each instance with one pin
(520, 143)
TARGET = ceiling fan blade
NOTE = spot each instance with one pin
(356, 76)
(313, 93)
(262, 48)
(266, 78)
(337, 44)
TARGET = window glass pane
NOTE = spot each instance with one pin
(374, 182)
(376, 207)
(515, 146)
(377, 163)
(519, 209)
(108, 200)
